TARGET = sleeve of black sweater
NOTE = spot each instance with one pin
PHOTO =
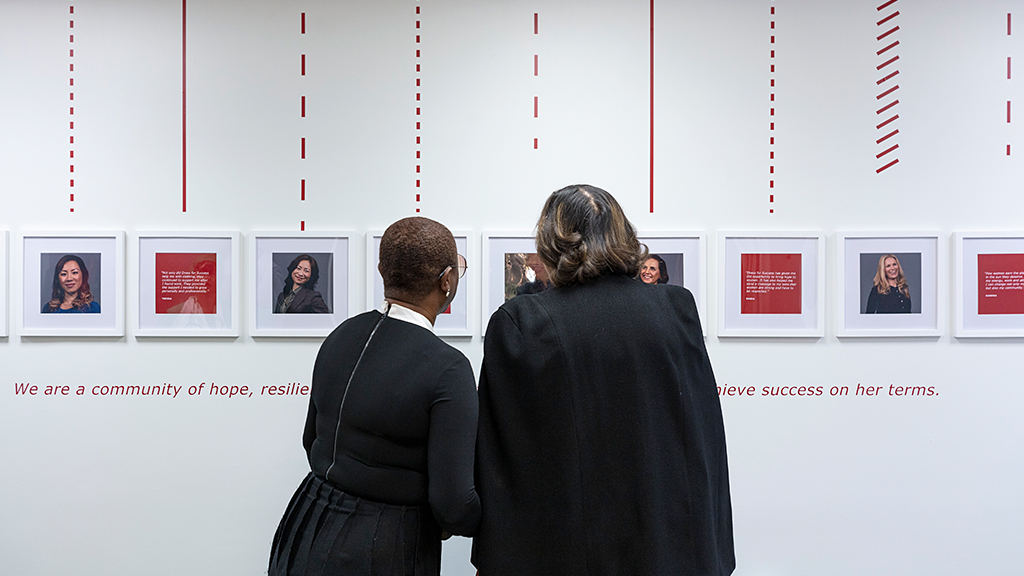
(450, 451)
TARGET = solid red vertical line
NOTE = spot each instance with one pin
(303, 22)
(303, 106)
(183, 124)
(303, 148)
(536, 23)
(536, 65)
(652, 110)
(303, 197)
(303, 64)
(535, 106)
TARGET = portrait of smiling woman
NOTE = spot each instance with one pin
(70, 292)
(299, 294)
(890, 293)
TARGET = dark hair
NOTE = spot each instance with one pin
(84, 298)
(314, 273)
(413, 253)
(662, 268)
(583, 234)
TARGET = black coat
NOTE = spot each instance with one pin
(601, 445)
(307, 301)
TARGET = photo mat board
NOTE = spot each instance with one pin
(92, 261)
(771, 284)
(870, 304)
(458, 320)
(685, 257)
(4, 282)
(188, 284)
(314, 311)
(989, 284)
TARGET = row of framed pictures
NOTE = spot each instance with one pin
(771, 284)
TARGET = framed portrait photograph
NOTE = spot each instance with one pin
(300, 285)
(4, 267)
(73, 284)
(989, 284)
(771, 284)
(188, 284)
(459, 318)
(510, 267)
(889, 284)
(678, 258)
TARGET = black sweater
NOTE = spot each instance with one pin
(407, 427)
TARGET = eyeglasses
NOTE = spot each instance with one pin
(461, 267)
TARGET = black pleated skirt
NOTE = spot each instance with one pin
(326, 532)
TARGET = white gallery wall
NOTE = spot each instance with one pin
(766, 118)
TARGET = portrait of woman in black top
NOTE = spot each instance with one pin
(299, 295)
(391, 427)
(890, 294)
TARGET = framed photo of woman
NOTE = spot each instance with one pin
(73, 284)
(678, 258)
(989, 284)
(511, 267)
(459, 318)
(889, 284)
(300, 285)
(771, 284)
(188, 284)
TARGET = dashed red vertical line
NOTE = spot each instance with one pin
(71, 69)
(771, 113)
(890, 60)
(536, 73)
(652, 108)
(419, 93)
(184, 179)
(302, 116)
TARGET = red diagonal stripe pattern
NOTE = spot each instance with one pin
(888, 45)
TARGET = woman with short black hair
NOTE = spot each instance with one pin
(391, 426)
(601, 444)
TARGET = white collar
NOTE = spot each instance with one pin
(404, 314)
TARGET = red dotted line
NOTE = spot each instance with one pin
(536, 73)
(418, 96)
(71, 55)
(887, 52)
(1009, 30)
(302, 116)
(771, 115)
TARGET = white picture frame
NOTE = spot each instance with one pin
(104, 252)
(771, 284)
(271, 254)
(921, 258)
(461, 319)
(496, 245)
(175, 272)
(4, 282)
(690, 249)
(988, 284)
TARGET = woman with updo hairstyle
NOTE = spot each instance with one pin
(390, 430)
(70, 292)
(654, 270)
(299, 295)
(890, 293)
(601, 444)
